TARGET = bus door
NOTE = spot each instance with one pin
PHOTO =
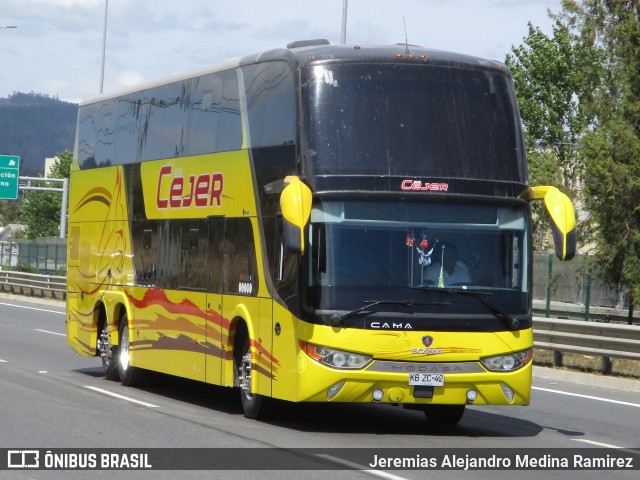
(234, 274)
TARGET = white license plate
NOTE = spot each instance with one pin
(427, 379)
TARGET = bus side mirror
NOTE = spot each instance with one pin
(563, 218)
(295, 204)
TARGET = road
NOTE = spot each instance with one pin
(52, 398)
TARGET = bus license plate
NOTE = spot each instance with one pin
(427, 379)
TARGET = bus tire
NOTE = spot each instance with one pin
(444, 415)
(129, 375)
(108, 353)
(253, 404)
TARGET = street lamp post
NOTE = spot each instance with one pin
(104, 44)
(343, 36)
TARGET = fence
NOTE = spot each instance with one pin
(575, 290)
(33, 284)
(587, 338)
(44, 255)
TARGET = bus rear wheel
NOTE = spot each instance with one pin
(129, 375)
(444, 415)
(108, 353)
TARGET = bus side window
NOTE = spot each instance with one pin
(144, 249)
(239, 256)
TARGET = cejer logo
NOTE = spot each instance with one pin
(202, 190)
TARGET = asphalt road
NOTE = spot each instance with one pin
(52, 398)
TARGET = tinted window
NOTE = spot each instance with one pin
(270, 103)
(412, 120)
(205, 115)
(230, 132)
(190, 117)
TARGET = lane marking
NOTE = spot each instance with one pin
(3, 361)
(32, 308)
(588, 397)
(121, 397)
(49, 331)
(597, 444)
(360, 468)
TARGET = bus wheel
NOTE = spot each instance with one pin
(252, 403)
(129, 376)
(108, 353)
(444, 415)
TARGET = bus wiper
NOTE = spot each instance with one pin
(482, 297)
(338, 318)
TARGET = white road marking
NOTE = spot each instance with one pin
(597, 444)
(3, 361)
(49, 331)
(32, 308)
(121, 397)
(361, 468)
(589, 397)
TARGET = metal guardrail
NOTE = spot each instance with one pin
(589, 338)
(33, 284)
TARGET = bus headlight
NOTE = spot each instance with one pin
(336, 358)
(508, 362)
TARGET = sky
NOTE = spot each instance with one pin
(57, 46)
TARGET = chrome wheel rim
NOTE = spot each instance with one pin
(124, 349)
(244, 374)
(104, 347)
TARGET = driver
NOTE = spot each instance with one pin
(447, 269)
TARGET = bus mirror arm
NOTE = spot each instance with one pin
(563, 218)
(295, 204)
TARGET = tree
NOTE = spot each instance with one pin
(547, 86)
(41, 209)
(610, 30)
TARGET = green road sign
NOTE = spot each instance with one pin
(9, 174)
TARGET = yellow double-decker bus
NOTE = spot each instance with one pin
(312, 224)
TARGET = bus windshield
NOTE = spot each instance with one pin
(418, 120)
(398, 250)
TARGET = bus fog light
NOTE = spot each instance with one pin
(378, 394)
(471, 396)
(507, 392)
(333, 391)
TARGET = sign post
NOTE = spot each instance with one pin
(9, 174)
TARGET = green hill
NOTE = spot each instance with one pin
(34, 127)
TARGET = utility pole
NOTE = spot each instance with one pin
(343, 36)
(104, 44)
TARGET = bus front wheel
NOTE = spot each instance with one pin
(253, 404)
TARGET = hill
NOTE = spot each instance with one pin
(34, 127)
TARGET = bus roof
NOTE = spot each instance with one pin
(308, 52)
(304, 53)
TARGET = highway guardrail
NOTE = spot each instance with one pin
(33, 284)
